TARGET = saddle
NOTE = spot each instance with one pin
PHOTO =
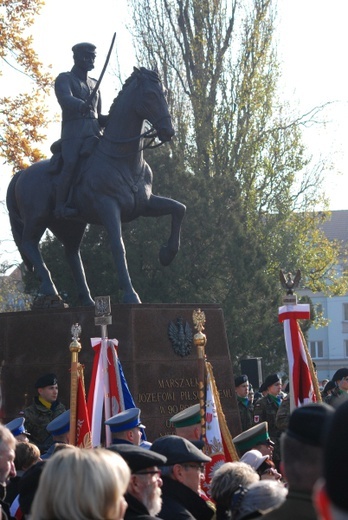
(56, 161)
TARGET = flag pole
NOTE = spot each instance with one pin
(103, 318)
(75, 347)
(200, 341)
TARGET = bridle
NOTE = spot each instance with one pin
(151, 134)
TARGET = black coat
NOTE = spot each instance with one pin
(136, 509)
(181, 503)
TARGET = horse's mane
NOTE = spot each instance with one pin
(137, 74)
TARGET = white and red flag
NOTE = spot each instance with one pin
(301, 385)
(108, 393)
(219, 444)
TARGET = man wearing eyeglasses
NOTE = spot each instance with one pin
(144, 490)
(182, 476)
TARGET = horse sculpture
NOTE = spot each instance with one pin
(113, 185)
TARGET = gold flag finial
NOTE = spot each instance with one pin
(198, 318)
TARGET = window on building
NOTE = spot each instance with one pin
(345, 311)
(346, 347)
(316, 349)
(319, 308)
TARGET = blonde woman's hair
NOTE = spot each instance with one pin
(81, 484)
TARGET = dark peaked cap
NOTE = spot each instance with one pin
(178, 450)
(336, 458)
(138, 458)
(308, 423)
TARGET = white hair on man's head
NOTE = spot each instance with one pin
(262, 496)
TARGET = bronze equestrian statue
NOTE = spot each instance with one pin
(112, 185)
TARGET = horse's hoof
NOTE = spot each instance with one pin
(166, 255)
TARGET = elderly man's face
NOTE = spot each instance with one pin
(7, 467)
(146, 487)
(190, 474)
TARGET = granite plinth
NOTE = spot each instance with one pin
(161, 381)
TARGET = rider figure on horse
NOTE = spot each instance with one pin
(82, 120)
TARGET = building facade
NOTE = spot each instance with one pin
(328, 345)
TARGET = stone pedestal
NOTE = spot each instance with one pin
(161, 381)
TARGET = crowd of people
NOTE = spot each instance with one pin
(290, 463)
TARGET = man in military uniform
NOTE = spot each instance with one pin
(330, 492)
(81, 119)
(302, 460)
(255, 438)
(18, 429)
(340, 391)
(283, 414)
(245, 407)
(126, 427)
(266, 409)
(43, 410)
(187, 423)
(59, 429)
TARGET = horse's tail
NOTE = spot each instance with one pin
(16, 222)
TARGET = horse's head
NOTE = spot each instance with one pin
(152, 103)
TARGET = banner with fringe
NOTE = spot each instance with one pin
(83, 428)
(219, 443)
(108, 393)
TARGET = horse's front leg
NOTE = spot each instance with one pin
(160, 206)
(111, 218)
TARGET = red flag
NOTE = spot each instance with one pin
(83, 429)
(301, 384)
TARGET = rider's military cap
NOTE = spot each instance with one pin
(125, 420)
(84, 47)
